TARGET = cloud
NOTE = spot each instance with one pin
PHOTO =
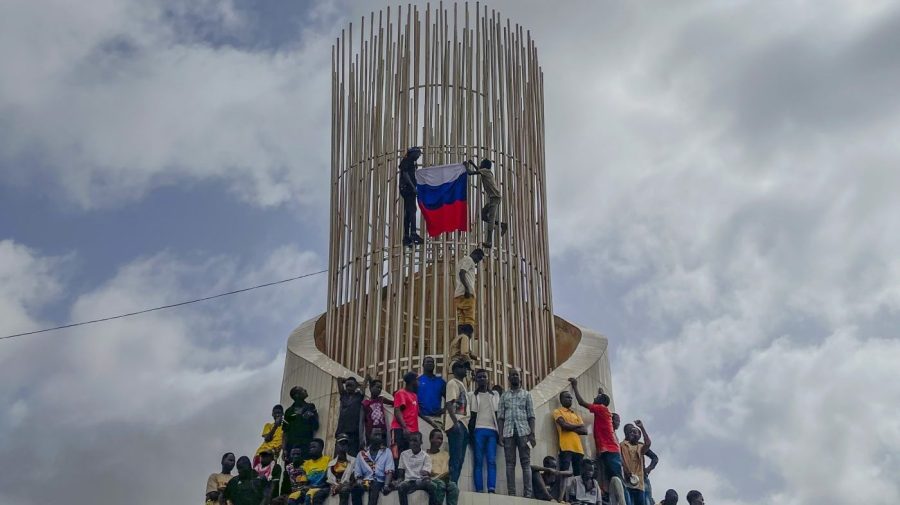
(119, 103)
(180, 385)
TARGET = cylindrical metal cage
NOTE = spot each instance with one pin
(462, 84)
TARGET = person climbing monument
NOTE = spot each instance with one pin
(408, 192)
(490, 212)
(464, 301)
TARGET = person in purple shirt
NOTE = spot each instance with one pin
(431, 392)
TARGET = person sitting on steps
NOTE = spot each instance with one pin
(490, 211)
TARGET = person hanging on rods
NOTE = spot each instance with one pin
(409, 192)
(490, 212)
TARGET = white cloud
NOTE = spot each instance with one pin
(115, 104)
(195, 381)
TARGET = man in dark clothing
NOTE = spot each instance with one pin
(350, 415)
(247, 488)
(409, 192)
(301, 420)
(547, 480)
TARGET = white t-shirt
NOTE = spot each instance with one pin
(484, 406)
(468, 265)
(415, 466)
(456, 391)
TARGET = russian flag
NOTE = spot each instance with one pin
(442, 198)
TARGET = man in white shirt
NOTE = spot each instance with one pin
(415, 471)
(464, 302)
(484, 403)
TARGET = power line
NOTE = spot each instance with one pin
(162, 307)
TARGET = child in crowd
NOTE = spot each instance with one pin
(444, 487)
(414, 472)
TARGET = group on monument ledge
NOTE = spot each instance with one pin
(378, 452)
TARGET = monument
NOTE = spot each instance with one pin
(462, 83)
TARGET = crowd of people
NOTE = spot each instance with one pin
(377, 452)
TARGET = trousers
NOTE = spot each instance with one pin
(489, 215)
(446, 490)
(485, 450)
(457, 438)
(411, 486)
(511, 445)
(409, 214)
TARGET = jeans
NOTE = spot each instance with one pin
(510, 446)
(409, 214)
(612, 465)
(485, 448)
(446, 489)
(571, 459)
(458, 439)
(636, 495)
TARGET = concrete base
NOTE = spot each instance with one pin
(306, 366)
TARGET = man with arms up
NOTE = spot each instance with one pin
(633, 451)
(609, 460)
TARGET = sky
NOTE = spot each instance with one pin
(722, 199)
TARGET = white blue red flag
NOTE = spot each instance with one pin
(442, 198)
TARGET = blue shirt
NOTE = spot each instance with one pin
(383, 461)
(431, 389)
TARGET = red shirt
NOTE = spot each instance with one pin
(604, 436)
(410, 404)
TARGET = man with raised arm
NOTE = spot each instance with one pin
(350, 412)
(633, 452)
(491, 211)
(464, 301)
(609, 459)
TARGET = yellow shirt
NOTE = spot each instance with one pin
(633, 461)
(275, 444)
(440, 462)
(568, 440)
